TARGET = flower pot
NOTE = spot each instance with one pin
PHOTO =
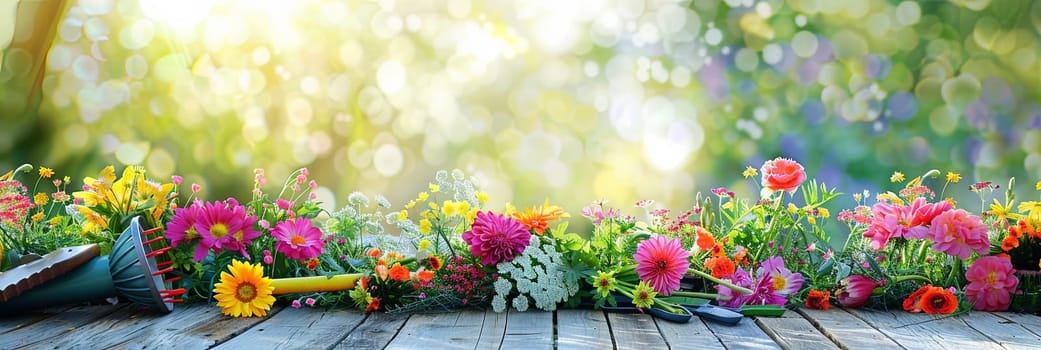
(1030, 299)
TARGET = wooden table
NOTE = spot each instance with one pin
(202, 326)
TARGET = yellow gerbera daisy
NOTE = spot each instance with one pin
(953, 177)
(46, 172)
(245, 292)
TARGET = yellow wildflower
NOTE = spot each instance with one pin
(462, 207)
(471, 216)
(40, 198)
(37, 217)
(953, 177)
(1033, 208)
(897, 177)
(1037, 186)
(55, 220)
(749, 172)
(510, 209)
(423, 196)
(410, 204)
(811, 220)
(892, 198)
(424, 244)
(792, 208)
(1002, 212)
(46, 172)
(823, 212)
(424, 226)
(434, 188)
(449, 208)
(857, 197)
(402, 215)
(483, 197)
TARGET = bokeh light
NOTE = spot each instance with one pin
(575, 101)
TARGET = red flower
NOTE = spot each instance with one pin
(374, 305)
(818, 300)
(782, 174)
(939, 301)
(911, 304)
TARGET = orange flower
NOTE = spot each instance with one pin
(1009, 243)
(537, 218)
(425, 276)
(381, 271)
(399, 273)
(373, 252)
(720, 266)
(312, 264)
(938, 301)
(741, 257)
(818, 300)
(705, 240)
(374, 305)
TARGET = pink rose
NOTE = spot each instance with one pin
(782, 175)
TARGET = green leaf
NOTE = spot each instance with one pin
(844, 271)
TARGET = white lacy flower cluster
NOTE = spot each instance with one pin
(536, 275)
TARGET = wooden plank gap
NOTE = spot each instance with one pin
(848, 331)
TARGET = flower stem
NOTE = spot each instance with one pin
(899, 279)
(727, 284)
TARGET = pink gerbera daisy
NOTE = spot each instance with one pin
(662, 262)
(181, 229)
(298, 239)
(223, 226)
(992, 281)
(496, 238)
(784, 281)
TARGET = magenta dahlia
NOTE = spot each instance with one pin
(298, 239)
(662, 262)
(496, 238)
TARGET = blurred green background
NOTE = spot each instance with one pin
(571, 100)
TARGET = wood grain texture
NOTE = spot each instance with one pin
(583, 330)
(55, 326)
(1008, 334)
(452, 330)
(794, 333)
(492, 330)
(920, 331)
(303, 328)
(635, 331)
(184, 328)
(375, 333)
(692, 335)
(528, 330)
(1031, 322)
(10, 323)
(744, 335)
(848, 331)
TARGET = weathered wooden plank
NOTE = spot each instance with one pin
(921, 331)
(528, 330)
(187, 327)
(1031, 322)
(744, 335)
(1008, 334)
(493, 330)
(125, 326)
(791, 331)
(848, 331)
(60, 324)
(635, 331)
(304, 328)
(15, 321)
(375, 333)
(692, 335)
(583, 330)
(452, 330)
